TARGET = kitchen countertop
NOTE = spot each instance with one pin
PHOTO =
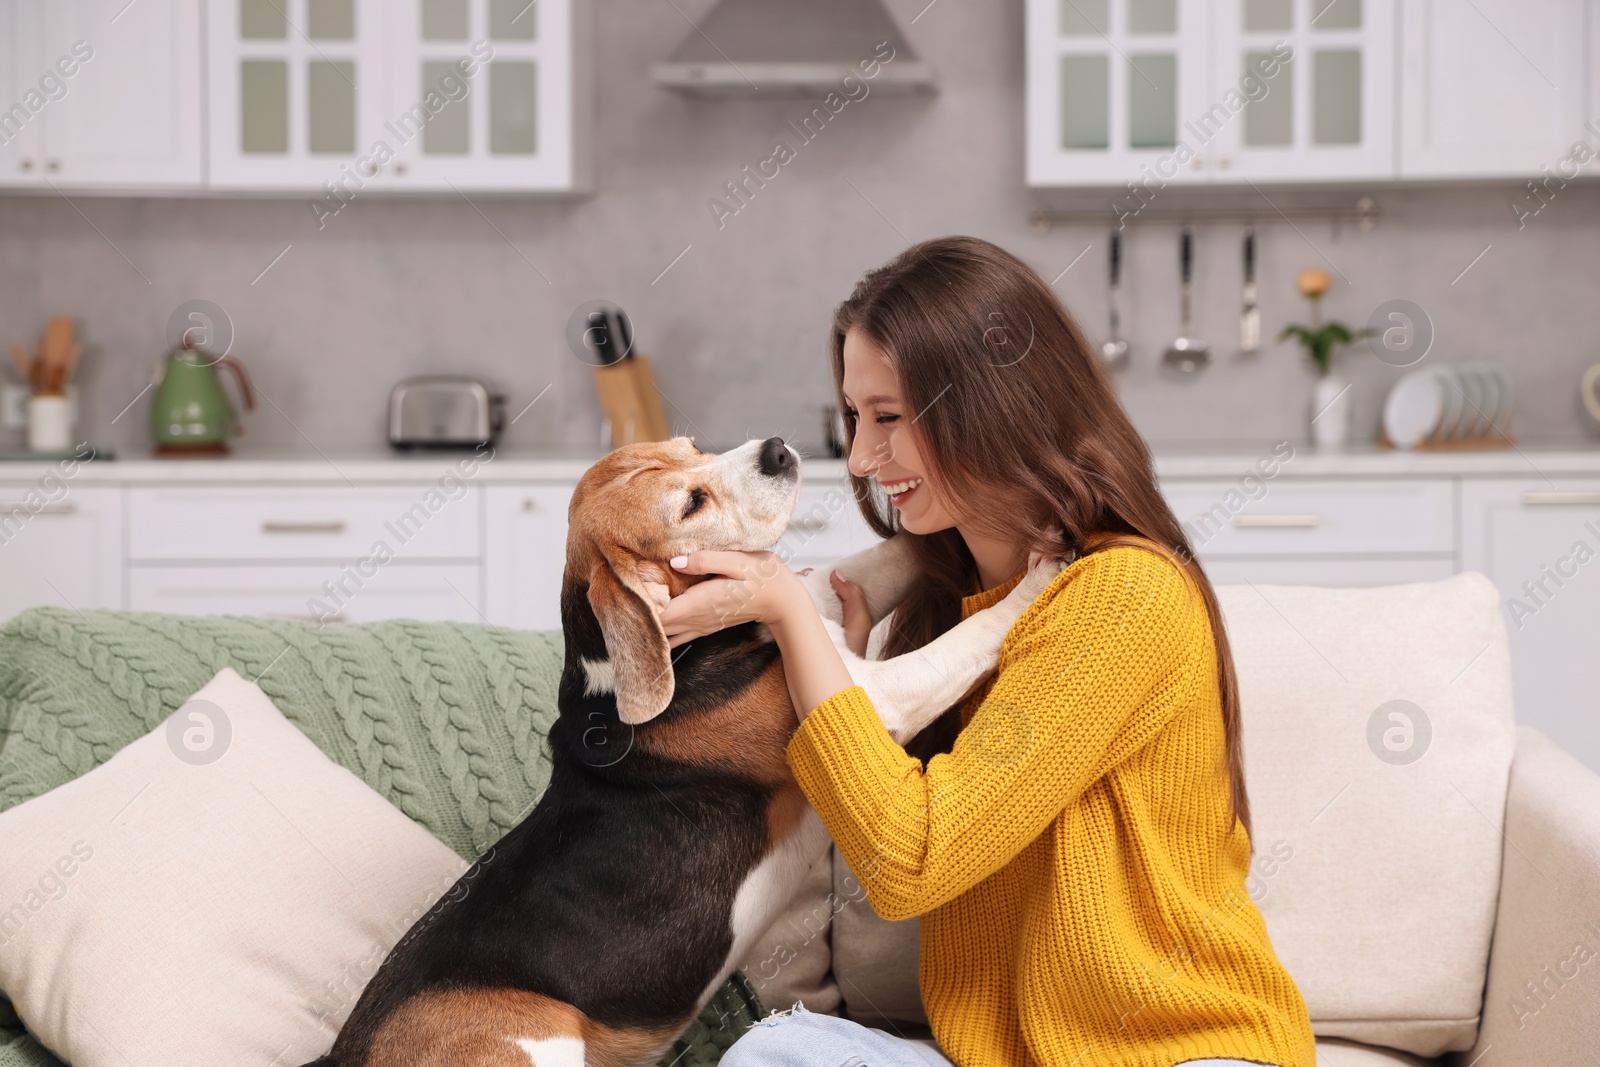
(381, 466)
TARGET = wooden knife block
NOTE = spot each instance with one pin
(631, 401)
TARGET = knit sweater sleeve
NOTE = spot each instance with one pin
(1089, 673)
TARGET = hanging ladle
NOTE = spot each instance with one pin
(1188, 353)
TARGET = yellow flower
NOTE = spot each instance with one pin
(1313, 283)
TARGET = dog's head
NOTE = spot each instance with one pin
(644, 504)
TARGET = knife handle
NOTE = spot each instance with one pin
(623, 337)
(1249, 254)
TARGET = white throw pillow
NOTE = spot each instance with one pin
(1378, 737)
(218, 892)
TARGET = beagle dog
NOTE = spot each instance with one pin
(672, 832)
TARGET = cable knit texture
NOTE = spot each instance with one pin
(446, 721)
(1080, 881)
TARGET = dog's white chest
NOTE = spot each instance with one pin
(768, 889)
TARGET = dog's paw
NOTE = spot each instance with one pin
(1042, 570)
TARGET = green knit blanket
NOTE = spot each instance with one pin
(445, 720)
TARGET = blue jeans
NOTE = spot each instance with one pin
(800, 1038)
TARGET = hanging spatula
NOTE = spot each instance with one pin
(1250, 317)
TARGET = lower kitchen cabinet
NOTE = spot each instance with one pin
(1540, 545)
(1357, 532)
(59, 548)
(1329, 572)
(311, 592)
(525, 554)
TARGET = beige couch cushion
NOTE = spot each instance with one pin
(874, 960)
(219, 891)
(1378, 741)
(791, 964)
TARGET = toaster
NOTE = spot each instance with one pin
(444, 412)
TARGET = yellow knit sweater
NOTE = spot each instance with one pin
(1080, 883)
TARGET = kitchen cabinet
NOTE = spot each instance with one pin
(439, 592)
(408, 523)
(346, 97)
(101, 94)
(296, 92)
(1108, 84)
(507, 79)
(1346, 532)
(1495, 88)
(1154, 92)
(525, 554)
(315, 552)
(61, 548)
(1539, 542)
(1328, 112)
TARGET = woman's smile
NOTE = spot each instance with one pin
(900, 492)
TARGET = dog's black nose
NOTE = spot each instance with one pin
(775, 458)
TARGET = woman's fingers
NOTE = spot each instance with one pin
(741, 565)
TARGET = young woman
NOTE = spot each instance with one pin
(1076, 839)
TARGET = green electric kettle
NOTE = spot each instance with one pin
(191, 415)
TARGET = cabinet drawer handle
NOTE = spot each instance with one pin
(1547, 498)
(270, 527)
(809, 525)
(49, 509)
(1277, 521)
(337, 617)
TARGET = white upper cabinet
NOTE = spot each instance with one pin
(1156, 91)
(1316, 78)
(296, 92)
(1495, 88)
(485, 94)
(102, 94)
(352, 96)
(1108, 84)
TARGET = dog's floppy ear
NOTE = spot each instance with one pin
(625, 602)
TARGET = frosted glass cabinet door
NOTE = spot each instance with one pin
(298, 93)
(1109, 84)
(487, 94)
(1496, 87)
(1304, 90)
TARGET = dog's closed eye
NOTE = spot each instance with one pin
(697, 500)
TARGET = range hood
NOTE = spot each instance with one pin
(757, 48)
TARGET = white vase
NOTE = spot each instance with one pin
(1330, 412)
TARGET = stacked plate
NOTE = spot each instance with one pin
(1463, 405)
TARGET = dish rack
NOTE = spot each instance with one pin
(1449, 408)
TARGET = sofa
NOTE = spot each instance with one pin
(1430, 874)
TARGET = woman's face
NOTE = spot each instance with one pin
(887, 446)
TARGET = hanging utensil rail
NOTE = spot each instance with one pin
(1364, 213)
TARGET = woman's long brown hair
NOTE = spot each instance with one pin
(1011, 408)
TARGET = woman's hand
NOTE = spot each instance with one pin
(857, 616)
(753, 587)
